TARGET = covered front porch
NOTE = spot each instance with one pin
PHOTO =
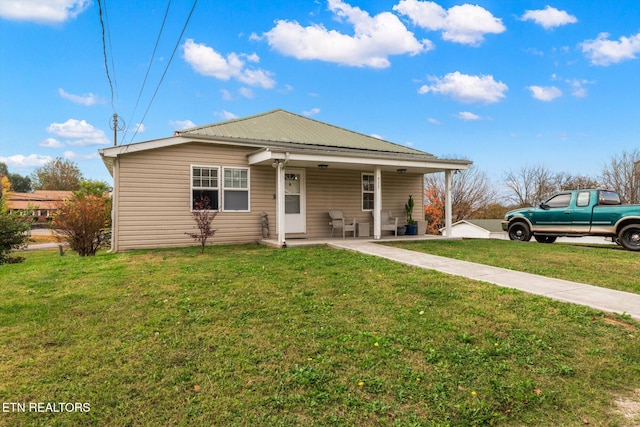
(336, 179)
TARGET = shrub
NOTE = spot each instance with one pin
(13, 232)
(203, 218)
(83, 222)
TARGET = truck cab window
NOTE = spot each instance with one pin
(559, 201)
(583, 199)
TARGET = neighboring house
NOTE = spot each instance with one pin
(477, 229)
(41, 203)
(292, 168)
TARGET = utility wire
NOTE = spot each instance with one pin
(113, 65)
(144, 82)
(104, 52)
(166, 68)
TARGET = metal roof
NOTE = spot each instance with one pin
(279, 126)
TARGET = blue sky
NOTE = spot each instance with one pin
(506, 84)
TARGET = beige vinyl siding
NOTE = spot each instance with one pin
(342, 189)
(155, 194)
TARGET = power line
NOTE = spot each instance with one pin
(166, 68)
(104, 52)
(153, 54)
(113, 65)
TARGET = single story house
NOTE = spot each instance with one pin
(279, 166)
(476, 229)
(42, 204)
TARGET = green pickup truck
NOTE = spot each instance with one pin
(577, 213)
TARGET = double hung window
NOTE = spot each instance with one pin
(368, 190)
(205, 190)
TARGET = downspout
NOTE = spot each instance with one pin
(114, 205)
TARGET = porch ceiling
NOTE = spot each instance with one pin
(363, 161)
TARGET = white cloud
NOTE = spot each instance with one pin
(375, 135)
(374, 39)
(88, 99)
(577, 87)
(434, 121)
(50, 143)
(78, 132)
(603, 51)
(30, 161)
(139, 128)
(206, 61)
(246, 92)
(311, 112)
(467, 88)
(467, 116)
(181, 124)
(465, 24)
(226, 115)
(545, 93)
(72, 155)
(43, 11)
(226, 95)
(549, 17)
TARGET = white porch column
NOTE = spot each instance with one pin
(447, 200)
(377, 203)
(280, 203)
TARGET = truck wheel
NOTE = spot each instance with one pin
(629, 237)
(545, 239)
(519, 231)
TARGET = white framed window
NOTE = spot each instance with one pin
(235, 189)
(368, 191)
(205, 187)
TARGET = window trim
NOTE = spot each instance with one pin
(363, 192)
(248, 189)
(218, 188)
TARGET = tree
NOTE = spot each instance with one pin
(13, 228)
(565, 181)
(622, 174)
(434, 208)
(471, 194)
(58, 174)
(203, 217)
(20, 184)
(83, 221)
(530, 185)
(97, 188)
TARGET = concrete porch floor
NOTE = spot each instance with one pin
(328, 240)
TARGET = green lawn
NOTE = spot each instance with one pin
(607, 266)
(255, 336)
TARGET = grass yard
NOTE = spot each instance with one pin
(255, 336)
(608, 266)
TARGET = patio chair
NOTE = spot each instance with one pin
(338, 221)
(388, 222)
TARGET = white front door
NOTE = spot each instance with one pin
(295, 211)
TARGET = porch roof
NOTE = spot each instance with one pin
(359, 160)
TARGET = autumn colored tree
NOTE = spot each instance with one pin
(471, 193)
(434, 209)
(58, 174)
(83, 222)
(203, 216)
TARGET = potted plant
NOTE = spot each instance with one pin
(412, 224)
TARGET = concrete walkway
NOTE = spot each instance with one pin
(592, 296)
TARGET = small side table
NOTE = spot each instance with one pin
(363, 229)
